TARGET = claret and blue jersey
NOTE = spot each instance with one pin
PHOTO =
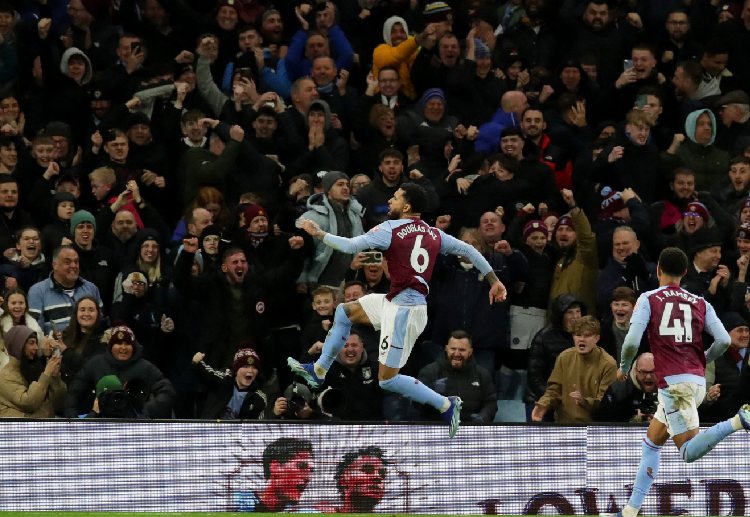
(411, 247)
(675, 320)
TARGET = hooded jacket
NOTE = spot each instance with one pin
(319, 209)
(400, 56)
(18, 397)
(709, 163)
(65, 62)
(547, 345)
(53, 233)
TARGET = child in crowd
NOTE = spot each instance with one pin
(316, 328)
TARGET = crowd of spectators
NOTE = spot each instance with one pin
(155, 155)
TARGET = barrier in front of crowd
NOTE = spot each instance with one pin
(186, 466)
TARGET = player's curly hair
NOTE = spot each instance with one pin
(416, 196)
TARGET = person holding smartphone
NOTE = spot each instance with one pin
(638, 72)
(30, 384)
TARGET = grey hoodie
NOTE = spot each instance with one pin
(65, 60)
(326, 109)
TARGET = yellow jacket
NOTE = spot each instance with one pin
(400, 57)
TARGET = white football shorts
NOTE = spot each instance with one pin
(399, 325)
(678, 406)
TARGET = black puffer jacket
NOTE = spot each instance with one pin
(160, 393)
(547, 345)
(473, 384)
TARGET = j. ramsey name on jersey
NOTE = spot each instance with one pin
(679, 294)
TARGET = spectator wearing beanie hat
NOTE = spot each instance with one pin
(616, 209)
(532, 227)
(211, 247)
(96, 261)
(440, 16)
(124, 359)
(742, 240)
(30, 384)
(238, 393)
(727, 392)
(698, 215)
(430, 126)
(62, 210)
(705, 275)
(743, 213)
(577, 268)
(338, 214)
(528, 309)
(253, 225)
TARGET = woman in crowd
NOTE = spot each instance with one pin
(30, 384)
(83, 336)
(15, 311)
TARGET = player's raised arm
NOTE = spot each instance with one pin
(374, 239)
(452, 246)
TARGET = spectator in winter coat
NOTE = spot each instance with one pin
(579, 379)
(633, 400)
(125, 360)
(456, 279)
(550, 341)
(626, 267)
(696, 150)
(338, 214)
(456, 373)
(730, 372)
(354, 375)
(30, 384)
(238, 393)
(577, 267)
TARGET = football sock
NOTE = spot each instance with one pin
(412, 389)
(700, 444)
(335, 341)
(647, 470)
(736, 422)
